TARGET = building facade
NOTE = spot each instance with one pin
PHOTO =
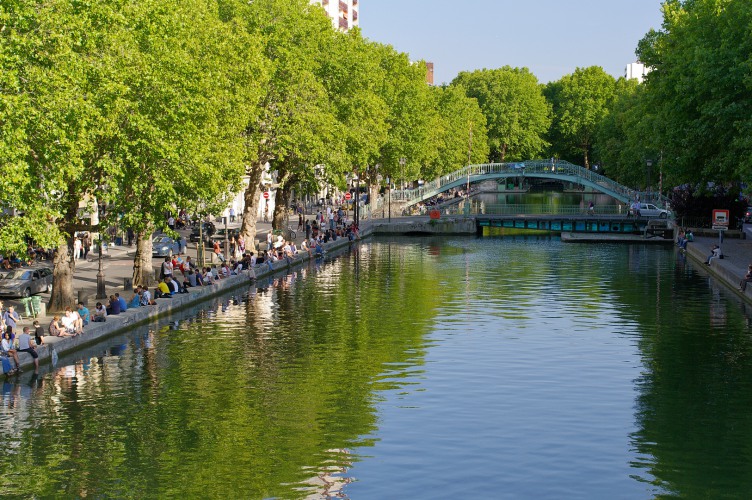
(637, 71)
(344, 13)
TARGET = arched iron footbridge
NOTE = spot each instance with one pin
(560, 171)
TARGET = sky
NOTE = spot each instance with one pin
(550, 37)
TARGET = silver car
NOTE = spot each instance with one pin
(650, 210)
(25, 282)
(164, 246)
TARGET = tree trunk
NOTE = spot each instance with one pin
(373, 195)
(251, 206)
(503, 153)
(281, 202)
(62, 278)
(587, 160)
(143, 270)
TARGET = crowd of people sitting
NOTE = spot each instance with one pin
(178, 274)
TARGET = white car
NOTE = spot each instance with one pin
(650, 210)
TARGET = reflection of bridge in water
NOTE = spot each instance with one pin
(561, 172)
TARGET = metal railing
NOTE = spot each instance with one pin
(522, 209)
(562, 170)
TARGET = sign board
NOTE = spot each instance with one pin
(434, 214)
(348, 196)
(266, 195)
(721, 219)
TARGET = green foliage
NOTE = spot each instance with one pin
(700, 88)
(460, 129)
(517, 114)
(580, 102)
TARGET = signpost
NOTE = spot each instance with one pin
(266, 195)
(720, 223)
(348, 196)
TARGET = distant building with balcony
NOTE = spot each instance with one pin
(636, 71)
(344, 13)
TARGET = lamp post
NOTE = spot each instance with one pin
(402, 162)
(101, 292)
(649, 164)
(388, 181)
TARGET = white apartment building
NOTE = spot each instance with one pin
(636, 70)
(344, 13)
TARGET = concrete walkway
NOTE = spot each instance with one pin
(737, 255)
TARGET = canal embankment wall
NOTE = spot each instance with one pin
(728, 271)
(164, 307)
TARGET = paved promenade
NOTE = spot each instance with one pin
(737, 255)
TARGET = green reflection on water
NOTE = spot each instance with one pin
(278, 396)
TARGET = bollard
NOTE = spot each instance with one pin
(127, 284)
(82, 296)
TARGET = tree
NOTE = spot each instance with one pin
(191, 86)
(580, 101)
(61, 96)
(461, 130)
(295, 117)
(517, 114)
(700, 89)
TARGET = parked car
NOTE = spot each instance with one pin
(748, 214)
(220, 234)
(650, 210)
(25, 282)
(164, 246)
(209, 229)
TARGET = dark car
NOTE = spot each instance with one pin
(208, 230)
(25, 282)
(748, 214)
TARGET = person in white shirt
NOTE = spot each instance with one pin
(99, 314)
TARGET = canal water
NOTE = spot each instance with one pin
(497, 367)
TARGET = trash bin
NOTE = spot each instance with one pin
(82, 296)
(127, 284)
(26, 302)
(36, 305)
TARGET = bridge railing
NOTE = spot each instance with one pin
(522, 169)
(532, 209)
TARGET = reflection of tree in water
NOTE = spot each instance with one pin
(252, 398)
(694, 395)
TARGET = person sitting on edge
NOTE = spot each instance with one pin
(99, 314)
(121, 300)
(162, 290)
(113, 307)
(747, 278)
(6, 348)
(136, 299)
(174, 286)
(25, 345)
(38, 333)
(145, 296)
(83, 312)
(7, 368)
(68, 322)
(715, 252)
(56, 329)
